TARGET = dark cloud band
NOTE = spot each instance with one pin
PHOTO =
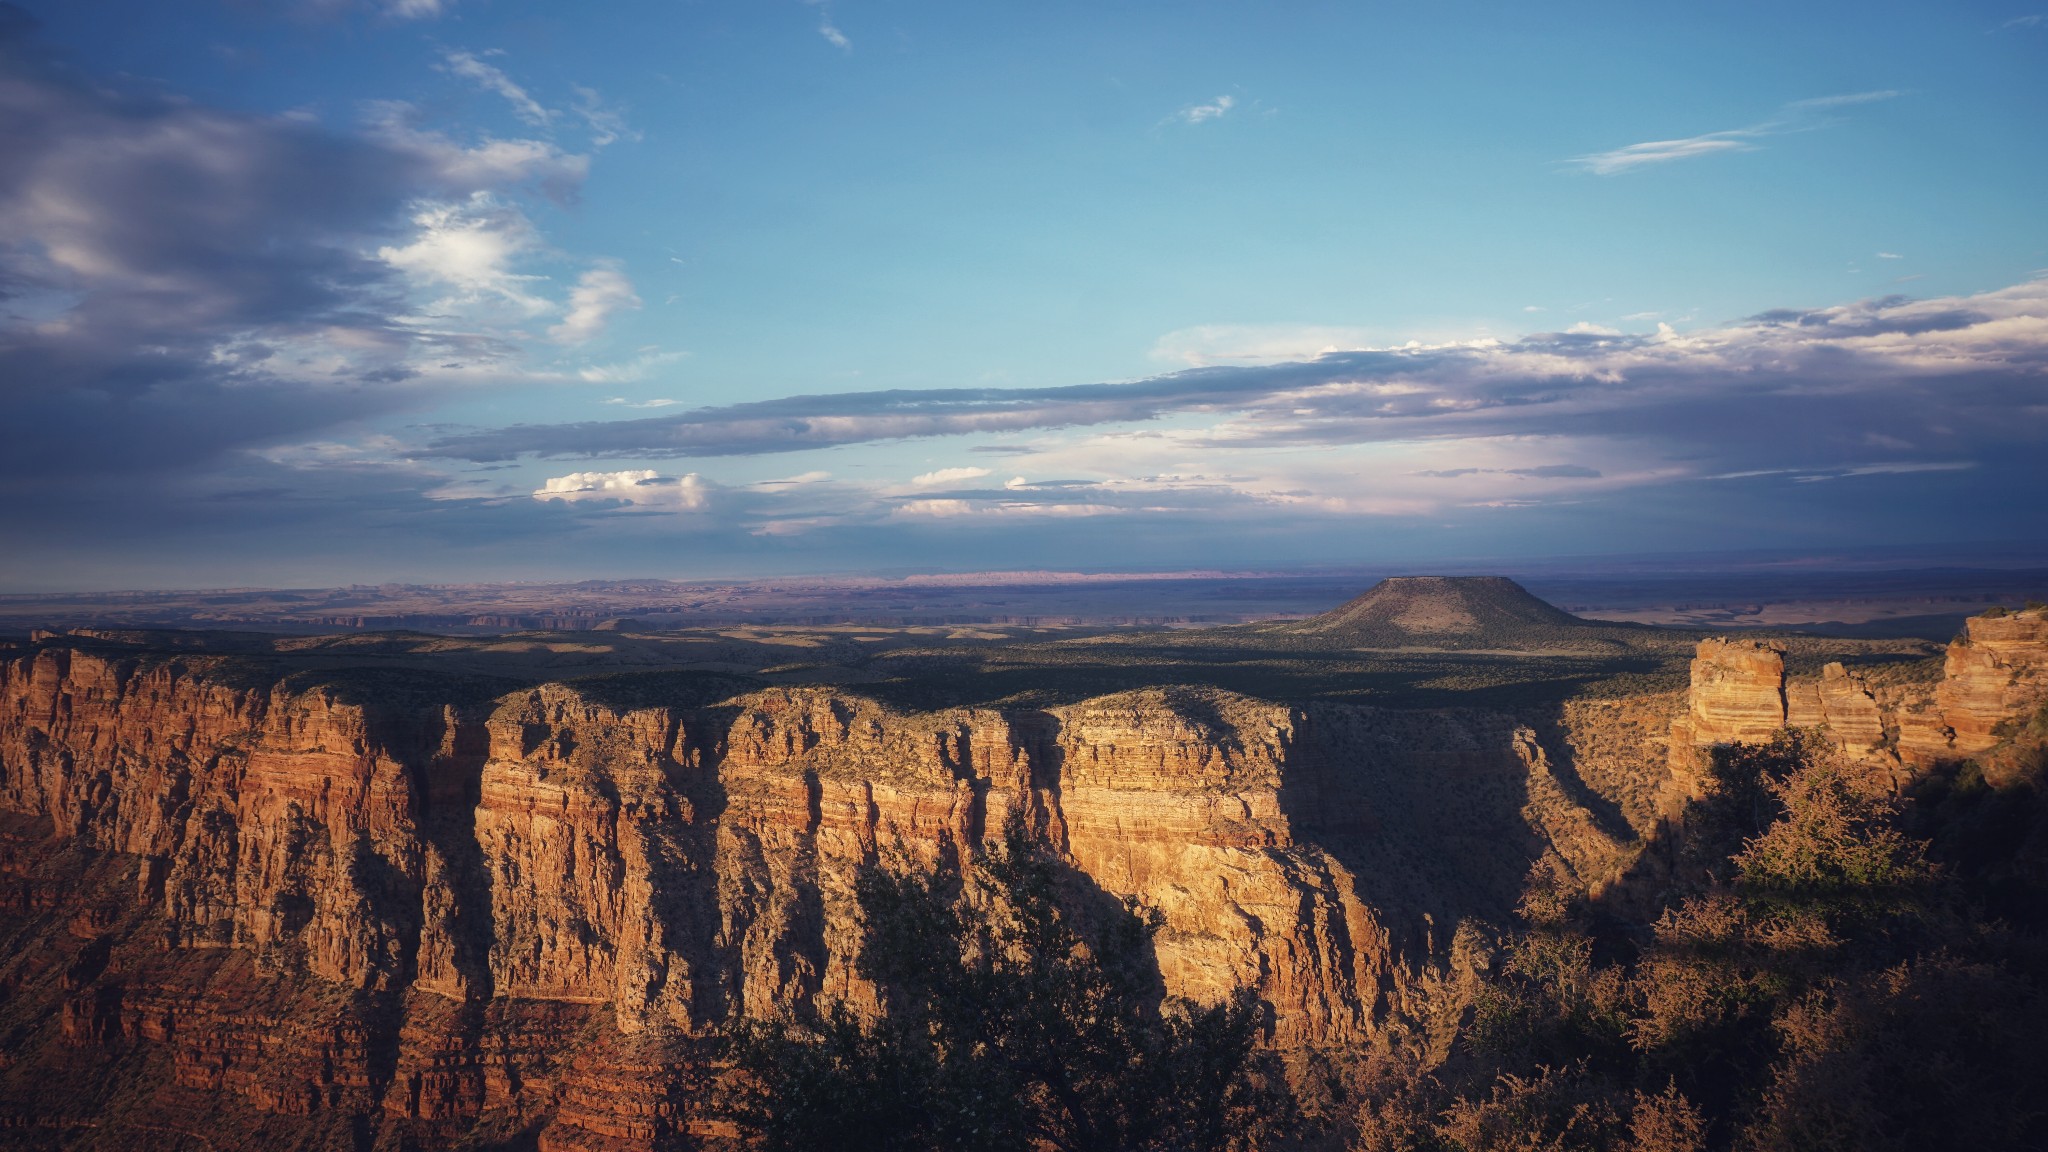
(1836, 380)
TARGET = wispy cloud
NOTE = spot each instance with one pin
(2034, 20)
(1800, 115)
(826, 28)
(1843, 101)
(417, 9)
(631, 371)
(1664, 151)
(949, 476)
(1203, 113)
(599, 293)
(607, 124)
(1538, 472)
(491, 78)
(1807, 476)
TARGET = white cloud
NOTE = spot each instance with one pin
(827, 28)
(470, 246)
(1889, 256)
(976, 509)
(417, 9)
(607, 125)
(1846, 100)
(639, 487)
(598, 294)
(1202, 113)
(491, 165)
(632, 371)
(949, 476)
(1799, 115)
(1901, 468)
(493, 79)
(812, 477)
(1663, 151)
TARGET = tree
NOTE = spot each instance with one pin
(1010, 1022)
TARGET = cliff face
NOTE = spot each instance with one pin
(344, 903)
(401, 912)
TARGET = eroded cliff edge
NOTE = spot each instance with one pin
(418, 911)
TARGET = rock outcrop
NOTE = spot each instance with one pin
(1738, 691)
(1995, 673)
(1996, 670)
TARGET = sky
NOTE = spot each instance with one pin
(313, 292)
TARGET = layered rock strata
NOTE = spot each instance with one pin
(366, 906)
(1993, 674)
(1995, 671)
(407, 911)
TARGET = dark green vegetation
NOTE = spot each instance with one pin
(1023, 1011)
(1835, 968)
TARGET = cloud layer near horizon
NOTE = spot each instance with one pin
(1892, 378)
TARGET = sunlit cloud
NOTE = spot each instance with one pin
(642, 487)
(949, 476)
(471, 247)
(599, 293)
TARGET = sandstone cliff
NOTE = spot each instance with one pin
(1995, 672)
(343, 903)
(406, 911)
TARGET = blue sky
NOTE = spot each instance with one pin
(320, 291)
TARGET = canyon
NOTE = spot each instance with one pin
(249, 904)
